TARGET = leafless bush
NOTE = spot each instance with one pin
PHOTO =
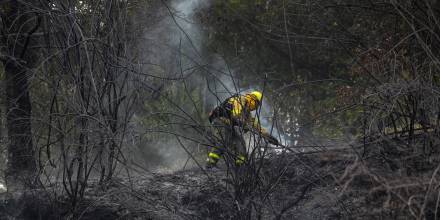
(401, 117)
(83, 63)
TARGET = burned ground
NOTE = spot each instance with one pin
(335, 184)
(305, 190)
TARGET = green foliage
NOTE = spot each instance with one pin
(175, 107)
(313, 45)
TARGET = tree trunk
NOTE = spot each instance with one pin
(17, 29)
(21, 165)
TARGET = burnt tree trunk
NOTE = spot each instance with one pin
(18, 26)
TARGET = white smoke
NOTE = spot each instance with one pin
(2, 188)
(225, 81)
(173, 44)
(189, 28)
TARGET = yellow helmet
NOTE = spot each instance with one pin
(254, 99)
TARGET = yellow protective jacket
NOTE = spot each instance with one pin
(236, 110)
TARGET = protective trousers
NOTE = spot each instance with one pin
(229, 142)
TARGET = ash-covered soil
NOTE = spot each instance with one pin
(292, 187)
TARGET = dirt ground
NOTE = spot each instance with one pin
(307, 190)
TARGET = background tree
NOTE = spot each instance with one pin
(19, 22)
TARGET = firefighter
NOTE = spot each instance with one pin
(230, 120)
